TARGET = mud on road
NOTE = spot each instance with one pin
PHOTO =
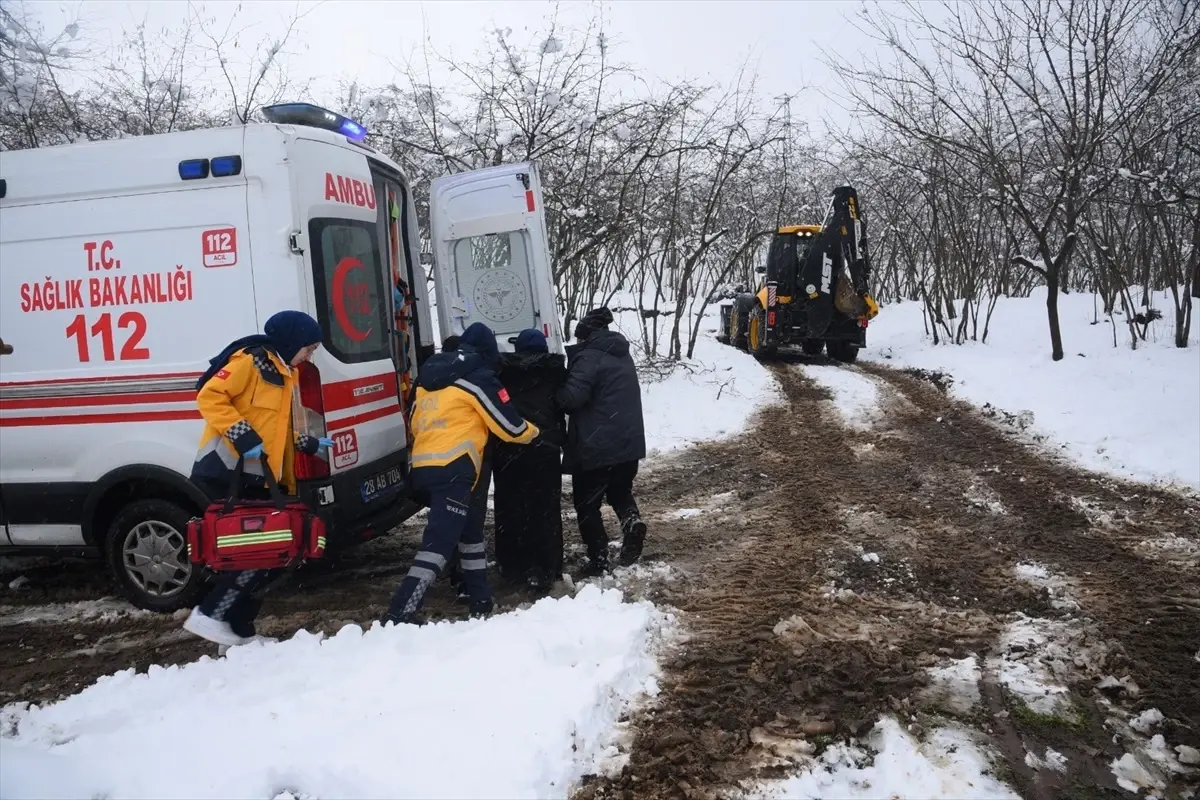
(855, 563)
(825, 575)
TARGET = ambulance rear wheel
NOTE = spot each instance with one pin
(146, 547)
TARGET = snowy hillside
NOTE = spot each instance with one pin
(1135, 414)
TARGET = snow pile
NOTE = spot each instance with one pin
(1127, 413)
(946, 765)
(519, 705)
(855, 395)
(1053, 760)
(1057, 588)
(1033, 655)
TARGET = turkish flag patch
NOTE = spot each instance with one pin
(222, 374)
(503, 395)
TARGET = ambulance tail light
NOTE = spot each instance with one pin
(308, 467)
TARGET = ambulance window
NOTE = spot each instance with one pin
(493, 277)
(352, 304)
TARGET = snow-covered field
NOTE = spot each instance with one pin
(519, 705)
(1134, 414)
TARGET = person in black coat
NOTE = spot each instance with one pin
(528, 480)
(606, 436)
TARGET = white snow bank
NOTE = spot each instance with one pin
(1127, 413)
(855, 395)
(946, 765)
(519, 705)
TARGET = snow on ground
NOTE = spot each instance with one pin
(893, 764)
(107, 609)
(1127, 413)
(519, 705)
(855, 395)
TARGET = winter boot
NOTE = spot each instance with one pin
(634, 530)
(538, 582)
(481, 608)
(402, 619)
(595, 567)
(214, 630)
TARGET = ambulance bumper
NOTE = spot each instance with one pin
(355, 515)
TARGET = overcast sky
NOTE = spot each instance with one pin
(664, 39)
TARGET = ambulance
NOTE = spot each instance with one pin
(126, 265)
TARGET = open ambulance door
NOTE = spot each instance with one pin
(491, 254)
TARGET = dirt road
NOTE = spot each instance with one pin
(826, 574)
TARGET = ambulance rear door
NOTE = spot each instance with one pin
(491, 254)
(346, 251)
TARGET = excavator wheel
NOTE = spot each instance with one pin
(812, 347)
(755, 331)
(737, 328)
(845, 352)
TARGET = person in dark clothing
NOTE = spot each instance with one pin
(606, 436)
(450, 344)
(459, 404)
(528, 504)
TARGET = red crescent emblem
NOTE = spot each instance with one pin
(343, 270)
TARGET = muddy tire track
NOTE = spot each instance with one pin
(922, 521)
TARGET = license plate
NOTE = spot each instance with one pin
(377, 486)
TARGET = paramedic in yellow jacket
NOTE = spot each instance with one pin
(245, 398)
(459, 403)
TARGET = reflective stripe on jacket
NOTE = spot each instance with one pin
(459, 402)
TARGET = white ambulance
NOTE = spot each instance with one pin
(126, 265)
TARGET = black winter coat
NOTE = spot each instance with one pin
(604, 401)
(532, 381)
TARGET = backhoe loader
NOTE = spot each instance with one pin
(805, 298)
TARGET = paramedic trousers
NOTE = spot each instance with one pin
(457, 509)
(231, 598)
(589, 490)
(528, 509)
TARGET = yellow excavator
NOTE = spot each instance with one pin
(806, 298)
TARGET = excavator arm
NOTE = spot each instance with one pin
(840, 245)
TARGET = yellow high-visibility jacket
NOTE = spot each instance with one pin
(249, 402)
(459, 402)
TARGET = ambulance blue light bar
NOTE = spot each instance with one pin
(315, 117)
(219, 167)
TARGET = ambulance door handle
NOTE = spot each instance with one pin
(297, 242)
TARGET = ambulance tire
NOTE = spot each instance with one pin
(146, 550)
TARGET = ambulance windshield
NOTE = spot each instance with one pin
(352, 302)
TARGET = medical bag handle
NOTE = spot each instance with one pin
(268, 476)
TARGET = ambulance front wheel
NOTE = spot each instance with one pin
(146, 548)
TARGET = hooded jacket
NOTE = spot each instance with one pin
(532, 380)
(604, 400)
(247, 402)
(459, 401)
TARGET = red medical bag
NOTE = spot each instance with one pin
(240, 534)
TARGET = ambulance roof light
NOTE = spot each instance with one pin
(315, 117)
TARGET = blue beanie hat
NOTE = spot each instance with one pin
(292, 331)
(478, 338)
(531, 340)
